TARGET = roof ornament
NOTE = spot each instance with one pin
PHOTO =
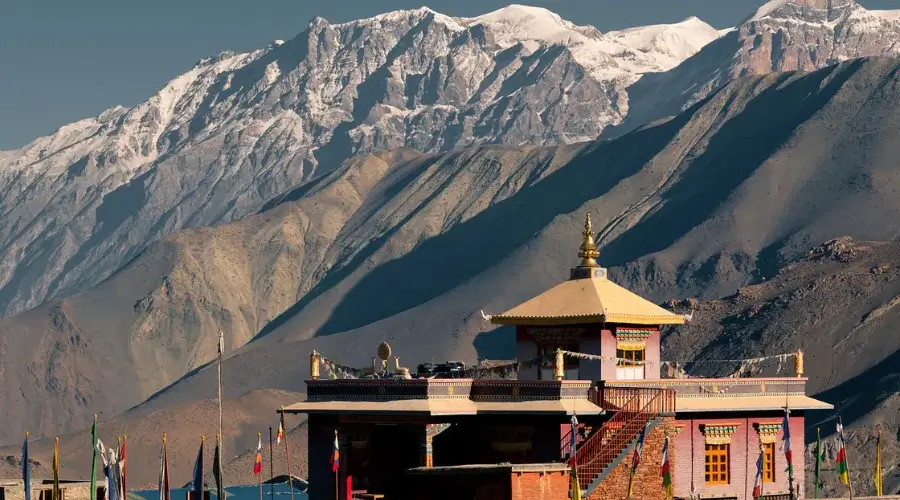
(588, 250)
(486, 317)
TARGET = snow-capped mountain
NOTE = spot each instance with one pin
(238, 129)
(782, 35)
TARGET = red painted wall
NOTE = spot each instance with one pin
(742, 463)
(540, 486)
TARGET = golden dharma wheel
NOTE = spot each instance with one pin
(384, 351)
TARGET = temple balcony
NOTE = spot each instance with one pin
(719, 394)
(449, 397)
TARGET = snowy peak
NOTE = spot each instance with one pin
(826, 12)
(669, 43)
(515, 23)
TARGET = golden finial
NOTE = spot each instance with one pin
(588, 250)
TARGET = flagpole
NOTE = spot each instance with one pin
(94, 459)
(287, 452)
(271, 466)
(124, 468)
(791, 491)
(26, 469)
(761, 483)
(878, 462)
(337, 488)
(846, 459)
(259, 455)
(119, 465)
(56, 470)
(221, 435)
(818, 459)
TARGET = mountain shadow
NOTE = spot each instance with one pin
(469, 248)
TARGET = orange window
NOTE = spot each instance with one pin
(717, 463)
(768, 470)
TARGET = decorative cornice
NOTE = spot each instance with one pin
(718, 433)
(768, 432)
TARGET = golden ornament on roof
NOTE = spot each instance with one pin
(588, 250)
(384, 351)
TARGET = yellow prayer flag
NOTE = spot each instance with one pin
(877, 476)
(56, 495)
(576, 488)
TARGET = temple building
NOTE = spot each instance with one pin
(586, 348)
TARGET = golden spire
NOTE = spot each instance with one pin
(588, 250)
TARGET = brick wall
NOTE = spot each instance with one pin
(647, 481)
(744, 450)
(540, 485)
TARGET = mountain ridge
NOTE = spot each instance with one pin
(237, 129)
(394, 244)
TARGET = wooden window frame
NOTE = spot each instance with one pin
(768, 470)
(713, 457)
(628, 358)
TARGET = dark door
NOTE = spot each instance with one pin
(393, 449)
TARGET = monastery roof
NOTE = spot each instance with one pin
(587, 297)
(748, 403)
(588, 300)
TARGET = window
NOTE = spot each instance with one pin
(717, 463)
(630, 357)
(768, 470)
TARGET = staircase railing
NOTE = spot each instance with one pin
(634, 408)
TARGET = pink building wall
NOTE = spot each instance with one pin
(743, 454)
(652, 369)
(596, 341)
(608, 349)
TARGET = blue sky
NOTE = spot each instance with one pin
(64, 60)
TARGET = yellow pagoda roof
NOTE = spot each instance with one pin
(589, 300)
(587, 297)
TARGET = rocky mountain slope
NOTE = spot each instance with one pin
(237, 129)
(840, 303)
(782, 35)
(407, 247)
